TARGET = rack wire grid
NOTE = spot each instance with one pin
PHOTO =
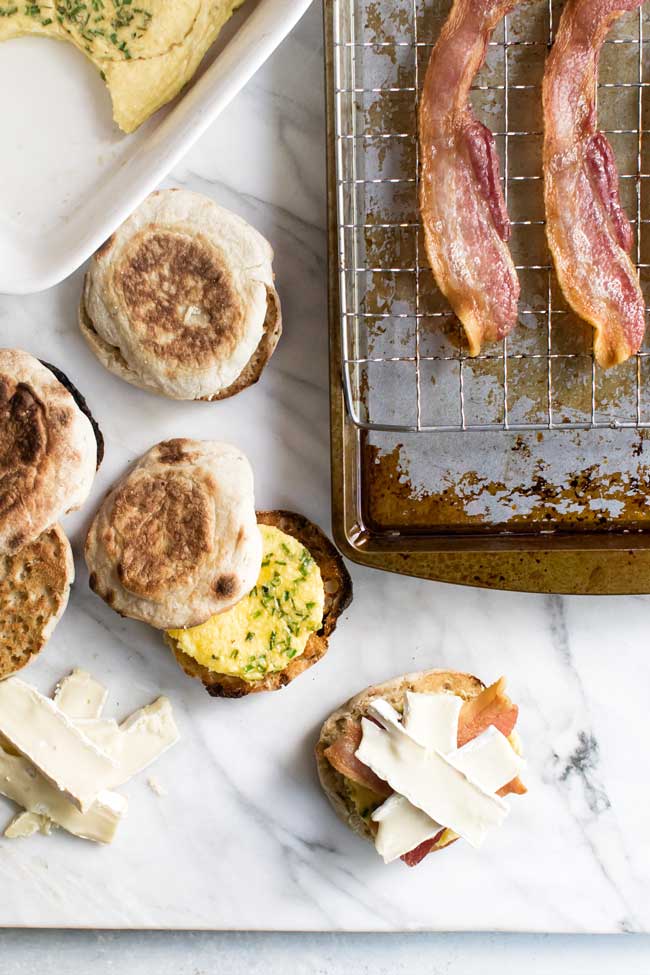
(405, 367)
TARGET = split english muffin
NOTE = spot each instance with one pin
(34, 588)
(282, 626)
(420, 761)
(48, 449)
(176, 540)
(180, 300)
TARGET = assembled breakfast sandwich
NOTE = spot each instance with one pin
(248, 600)
(422, 760)
(180, 300)
(50, 447)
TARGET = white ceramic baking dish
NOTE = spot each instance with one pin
(68, 176)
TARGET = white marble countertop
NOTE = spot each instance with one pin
(243, 839)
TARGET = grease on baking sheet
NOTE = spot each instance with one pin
(423, 482)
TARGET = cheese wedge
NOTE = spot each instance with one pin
(49, 740)
(21, 783)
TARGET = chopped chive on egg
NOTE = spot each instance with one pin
(286, 607)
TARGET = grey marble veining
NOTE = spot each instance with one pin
(243, 838)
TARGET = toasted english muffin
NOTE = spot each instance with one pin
(337, 590)
(176, 539)
(34, 588)
(334, 784)
(48, 450)
(180, 300)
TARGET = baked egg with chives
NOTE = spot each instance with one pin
(272, 624)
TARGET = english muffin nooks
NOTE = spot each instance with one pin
(176, 540)
(180, 300)
(48, 451)
(34, 589)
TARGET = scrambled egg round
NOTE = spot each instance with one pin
(272, 624)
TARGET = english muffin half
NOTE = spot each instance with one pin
(180, 300)
(480, 717)
(48, 450)
(34, 588)
(176, 540)
(282, 626)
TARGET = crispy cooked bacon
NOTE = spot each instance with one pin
(491, 707)
(417, 855)
(588, 231)
(463, 211)
(341, 756)
(515, 787)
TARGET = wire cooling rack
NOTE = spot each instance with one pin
(405, 367)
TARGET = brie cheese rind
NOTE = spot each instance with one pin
(434, 790)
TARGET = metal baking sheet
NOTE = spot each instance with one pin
(530, 442)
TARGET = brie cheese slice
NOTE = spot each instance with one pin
(145, 736)
(489, 760)
(103, 732)
(402, 827)
(432, 720)
(21, 783)
(79, 695)
(133, 745)
(49, 740)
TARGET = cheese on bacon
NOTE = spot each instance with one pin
(432, 719)
(427, 779)
(402, 827)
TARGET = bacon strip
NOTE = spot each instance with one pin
(491, 707)
(417, 855)
(514, 787)
(589, 234)
(463, 211)
(341, 756)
